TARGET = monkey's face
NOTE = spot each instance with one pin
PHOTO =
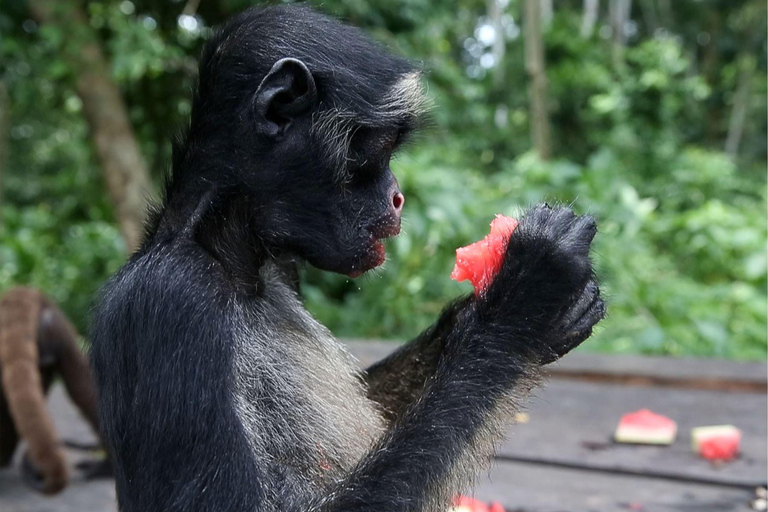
(323, 185)
(337, 222)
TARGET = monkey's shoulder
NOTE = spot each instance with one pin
(157, 288)
(179, 291)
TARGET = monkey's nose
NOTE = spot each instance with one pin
(397, 201)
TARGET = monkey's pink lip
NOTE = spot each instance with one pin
(380, 252)
(375, 256)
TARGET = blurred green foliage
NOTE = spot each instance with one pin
(682, 249)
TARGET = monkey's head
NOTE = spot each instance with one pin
(300, 115)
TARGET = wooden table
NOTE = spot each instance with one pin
(562, 459)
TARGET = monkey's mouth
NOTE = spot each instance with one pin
(375, 254)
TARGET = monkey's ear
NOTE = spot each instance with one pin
(286, 92)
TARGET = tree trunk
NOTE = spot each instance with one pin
(190, 9)
(667, 19)
(547, 13)
(116, 147)
(498, 49)
(619, 11)
(649, 15)
(589, 17)
(5, 125)
(711, 67)
(537, 89)
(740, 104)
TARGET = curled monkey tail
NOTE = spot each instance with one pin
(22, 385)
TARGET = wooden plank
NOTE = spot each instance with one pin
(79, 496)
(520, 487)
(370, 351)
(535, 488)
(558, 467)
(691, 373)
(664, 371)
(571, 424)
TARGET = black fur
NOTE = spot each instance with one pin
(217, 391)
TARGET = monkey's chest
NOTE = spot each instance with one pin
(301, 403)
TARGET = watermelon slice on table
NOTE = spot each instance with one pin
(479, 262)
(496, 507)
(645, 427)
(467, 504)
(719, 442)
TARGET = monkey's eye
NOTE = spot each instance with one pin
(371, 149)
(401, 138)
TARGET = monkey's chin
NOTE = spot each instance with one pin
(374, 257)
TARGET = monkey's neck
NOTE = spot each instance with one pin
(222, 223)
(229, 232)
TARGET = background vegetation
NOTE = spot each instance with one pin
(658, 127)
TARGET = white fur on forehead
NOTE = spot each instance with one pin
(406, 97)
(334, 127)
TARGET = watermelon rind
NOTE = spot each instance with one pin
(699, 434)
(645, 427)
(657, 436)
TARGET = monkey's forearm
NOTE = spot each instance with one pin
(58, 336)
(399, 379)
(435, 447)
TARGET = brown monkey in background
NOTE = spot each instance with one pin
(37, 343)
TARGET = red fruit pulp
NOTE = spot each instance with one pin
(479, 262)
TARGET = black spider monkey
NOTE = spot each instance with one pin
(218, 391)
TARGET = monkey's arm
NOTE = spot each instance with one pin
(399, 379)
(435, 448)
(59, 337)
(542, 304)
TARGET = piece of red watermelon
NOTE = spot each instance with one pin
(720, 442)
(479, 262)
(467, 504)
(496, 507)
(645, 427)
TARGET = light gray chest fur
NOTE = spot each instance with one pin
(297, 392)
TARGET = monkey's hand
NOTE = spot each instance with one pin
(545, 296)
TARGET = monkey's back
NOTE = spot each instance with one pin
(174, 343)
(150, 367)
